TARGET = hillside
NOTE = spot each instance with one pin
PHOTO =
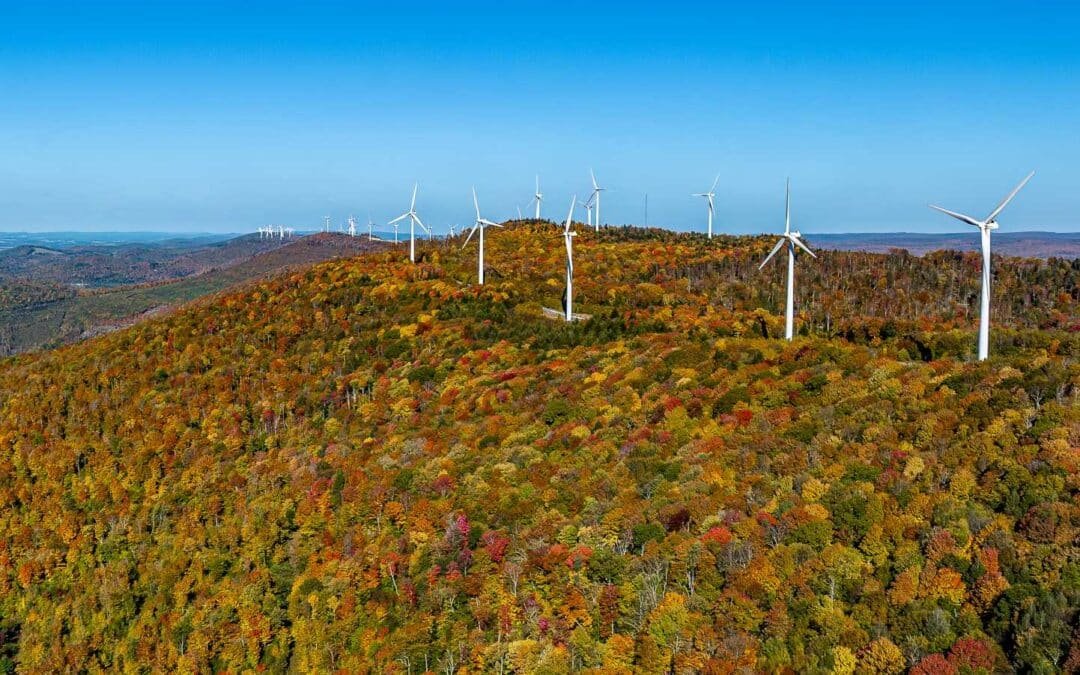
(370, 466)
(47, 312)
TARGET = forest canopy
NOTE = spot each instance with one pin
(374, 466)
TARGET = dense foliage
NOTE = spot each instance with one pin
(375, 466)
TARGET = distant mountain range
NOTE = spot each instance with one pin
(52, 296)
(1022, 244)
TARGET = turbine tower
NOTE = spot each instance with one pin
(792, 239)
(986, 226)
(481, 224)
(538, 197)
(709, 200)
(414, 220)
(568, 239)
(596, 190)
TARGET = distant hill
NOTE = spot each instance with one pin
(43, 304)
(101, 265)
(1019, 244)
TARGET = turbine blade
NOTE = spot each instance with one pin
(798, 242)
(418, 221)
(772, 253)
(714, 183)
(959, 216)
(476, 203)
(570, 215)
(485, 221)
(415, 187)
(1008, 199)
(471, 232)
(787, 209)
(593, 176)
(399, 219)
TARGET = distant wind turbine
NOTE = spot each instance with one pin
(352, 226)
(568, 239)
(596, 197)
(986, 226)
(326, 223)
(414, 220)
(481, 224)
(709, 201)
(370, 225)
(792, 239)
(587, 207)
(537, 198)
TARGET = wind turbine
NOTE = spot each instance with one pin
(326, 223)
(709, 199)
(792, 239)
(596, 196)
(370, 225)
(538, 197)
(451, 229)
(481, 224)
(414, 220)
(986, 226)
(587, 206)
(352, 226)
(568, 239)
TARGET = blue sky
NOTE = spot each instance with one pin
(201, 116)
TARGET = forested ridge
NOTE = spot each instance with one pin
(373, 466)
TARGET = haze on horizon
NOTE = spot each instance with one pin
(208, 117)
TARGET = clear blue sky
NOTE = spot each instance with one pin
(205, 116)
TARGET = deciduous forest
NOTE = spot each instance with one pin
(374, 466)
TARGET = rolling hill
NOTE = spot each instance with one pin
(39, 307)
(1015, 244)
(372, 466)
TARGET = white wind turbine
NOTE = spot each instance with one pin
(451, 229)
(587, 207)
(792, 239)
(596, 197)
(326, 223)
(568, 239)
(414, 220)
(481, 224)
(537, 198)
(709, 200)
(986, 226)
(370, 225)
(352, 226)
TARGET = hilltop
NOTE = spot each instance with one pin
(372, 466)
